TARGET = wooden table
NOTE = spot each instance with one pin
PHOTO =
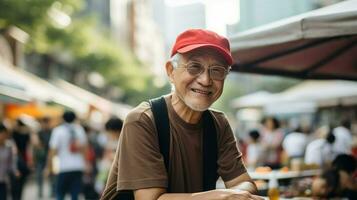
(278, 175)
(284, 175)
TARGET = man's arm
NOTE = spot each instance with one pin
(242, 182)
(218, 194)
(240, 187)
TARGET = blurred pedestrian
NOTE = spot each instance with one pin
(7, 161)
(294, 144)
(347, 167)
(176, 147)
(272, 138)
(326, 186)
(41, 149)
(337, 182)
(343, 143)
(68, 141)
(320, 151)
(21, 134)
(89, 177)
(113, 128)
(254, 150)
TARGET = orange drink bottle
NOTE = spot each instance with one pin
(273, 191)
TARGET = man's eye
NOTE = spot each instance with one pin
(195, 67)
(218, 70)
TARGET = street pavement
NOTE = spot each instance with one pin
(30, 191)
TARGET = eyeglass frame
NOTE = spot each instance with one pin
(227, 70)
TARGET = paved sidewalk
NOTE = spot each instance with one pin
(30, 191)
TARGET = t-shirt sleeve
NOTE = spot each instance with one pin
(230, 163)
(138, 158)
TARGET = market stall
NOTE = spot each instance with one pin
(320, 44)
(23, 92)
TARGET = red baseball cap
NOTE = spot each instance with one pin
(195, 38)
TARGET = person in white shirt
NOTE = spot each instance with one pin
(294, 144)
(68, 141)
(254, 150)
(343, 143)
(320, 151)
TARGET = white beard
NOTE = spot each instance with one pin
(193, 106)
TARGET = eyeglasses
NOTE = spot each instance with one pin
(216, 72)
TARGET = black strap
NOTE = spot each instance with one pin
(210, 152)
(159, 109)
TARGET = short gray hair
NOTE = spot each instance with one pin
(175, 59)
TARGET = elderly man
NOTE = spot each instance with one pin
(176, 148)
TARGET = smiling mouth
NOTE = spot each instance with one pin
(202, 92)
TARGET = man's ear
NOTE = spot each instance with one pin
(169, 70)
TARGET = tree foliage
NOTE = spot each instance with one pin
(31, 14)
(79, 45)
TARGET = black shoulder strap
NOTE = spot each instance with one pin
(159, 110)
(210, 152)
(210, 155)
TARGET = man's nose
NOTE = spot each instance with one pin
(204, 78)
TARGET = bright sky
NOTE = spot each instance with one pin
(219, 13)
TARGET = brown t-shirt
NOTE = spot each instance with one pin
(139, 164)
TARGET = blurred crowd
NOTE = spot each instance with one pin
(83, 163)
(331, 149)
(37, 149)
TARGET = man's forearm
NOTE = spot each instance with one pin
(160, 194)
(209, 195)
(187, 196)
(246, 186)
(241, 191)
(218, 194)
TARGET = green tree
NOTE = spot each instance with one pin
(78, 45)
(32, 14)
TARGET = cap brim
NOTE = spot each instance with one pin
(227, 56)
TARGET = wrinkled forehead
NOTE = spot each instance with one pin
(205, 54)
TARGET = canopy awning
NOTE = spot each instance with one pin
(323, 92)
(11, 95)
(305, 97)
(21, 84)
(321, 44)
(253, 100)
(100, 103)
